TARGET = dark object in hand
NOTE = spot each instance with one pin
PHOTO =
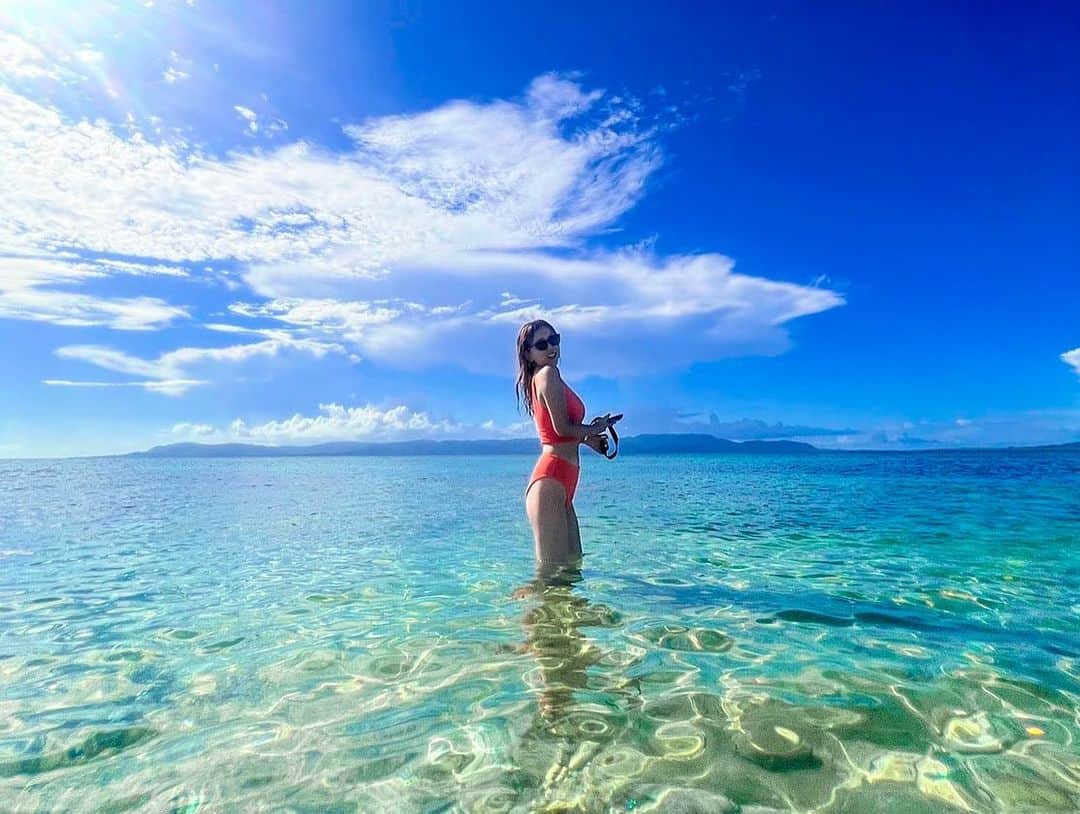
(609, 448)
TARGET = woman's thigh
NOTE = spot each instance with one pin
(573, 532)
(545, 504)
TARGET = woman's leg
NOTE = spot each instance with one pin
(545, 504)
(573, 536)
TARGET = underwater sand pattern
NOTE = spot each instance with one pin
(842, 633)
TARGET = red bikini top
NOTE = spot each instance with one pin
(575, 411)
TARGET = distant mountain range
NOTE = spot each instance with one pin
(636, 444)
(696, 443)
(1073, 446)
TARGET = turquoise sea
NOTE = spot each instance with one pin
(828, 633)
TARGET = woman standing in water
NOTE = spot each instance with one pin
(558, 413)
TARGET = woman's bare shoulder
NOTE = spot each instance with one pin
(547, 377)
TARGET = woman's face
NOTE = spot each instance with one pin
(547, 354)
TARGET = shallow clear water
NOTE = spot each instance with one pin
(840, 633)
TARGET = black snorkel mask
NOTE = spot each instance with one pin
(609, 449)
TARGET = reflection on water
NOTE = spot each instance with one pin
(553, 636)
(556, 627)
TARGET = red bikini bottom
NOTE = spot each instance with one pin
(552, 466)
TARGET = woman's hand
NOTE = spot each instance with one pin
(598, 426)
(597, 443)
(603, 423)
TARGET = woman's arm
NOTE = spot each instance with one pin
(549, 386)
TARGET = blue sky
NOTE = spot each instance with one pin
(292, 223)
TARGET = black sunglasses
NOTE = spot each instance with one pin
(552, 340)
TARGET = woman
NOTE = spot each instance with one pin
(558, 413)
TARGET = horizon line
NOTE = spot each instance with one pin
(145, 452)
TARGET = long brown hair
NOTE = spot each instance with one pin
(526, 369)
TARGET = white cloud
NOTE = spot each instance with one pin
(464, 177)
(195, 430)
(28, 290)
(249, 116)
(1072, 358)
(338, 423)
(509, 300)
(335, 422)
(173, 75)
(23, 60)
(185, 357)
(115, 360)
(141, 269)
(170, 371)
(682, 308)
(90, 56)
(347, 319)
(503, 175)
(362, 246)
(166, 387)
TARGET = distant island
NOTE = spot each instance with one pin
(636, 444)
(672, 443)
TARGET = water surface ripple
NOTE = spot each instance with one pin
(835, 633)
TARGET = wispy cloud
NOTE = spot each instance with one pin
(22, 59)
(31, 289)
(172, 75)
(166, 387)
(347, 318)
(248, 115)
(170, 372)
